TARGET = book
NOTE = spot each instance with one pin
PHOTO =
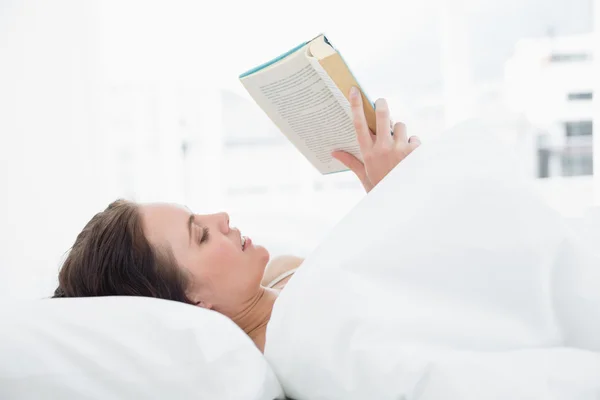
(305, 93)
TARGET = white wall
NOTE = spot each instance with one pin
(48, 148)
(597, 103)
(456, 61)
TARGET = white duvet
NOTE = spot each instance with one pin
(450, 280)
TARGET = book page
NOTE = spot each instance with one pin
(298, 98)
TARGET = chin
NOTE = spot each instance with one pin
(262, 253)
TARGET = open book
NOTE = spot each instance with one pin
(305, 93)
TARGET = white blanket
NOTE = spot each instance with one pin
(451, 280)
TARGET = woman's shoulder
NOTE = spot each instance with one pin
(280, 270)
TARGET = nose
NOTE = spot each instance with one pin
(223, 218)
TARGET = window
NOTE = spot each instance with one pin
(544, 156)
(544, 163)
(577, 162)
(570, 57)
(580, 96)
(572, 158)
(579, 128)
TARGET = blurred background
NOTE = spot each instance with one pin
(141, 100)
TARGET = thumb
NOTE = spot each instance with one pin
(355, 166)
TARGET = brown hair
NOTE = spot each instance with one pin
(112, 257)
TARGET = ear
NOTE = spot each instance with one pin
(195, 297)
(203, 304)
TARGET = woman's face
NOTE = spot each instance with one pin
(224, 274)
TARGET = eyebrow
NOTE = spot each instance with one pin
(189, 226)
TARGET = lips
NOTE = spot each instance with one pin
(246, 242)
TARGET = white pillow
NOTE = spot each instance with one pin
(127, 348)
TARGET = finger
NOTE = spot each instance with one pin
(353, 164)
(382, 122)
(400, 132)
(363, 134)
(414, 142)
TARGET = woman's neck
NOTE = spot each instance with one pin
(255, 314)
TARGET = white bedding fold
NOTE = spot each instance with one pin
(451, 279)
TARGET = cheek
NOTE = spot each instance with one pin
(224, 258)
(212, 263)
(221, 265)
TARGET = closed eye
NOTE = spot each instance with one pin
(203, 236)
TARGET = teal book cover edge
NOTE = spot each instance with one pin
(273, 61)
(295, 49)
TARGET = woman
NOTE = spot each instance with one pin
(166, 251)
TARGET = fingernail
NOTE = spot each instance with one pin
(380, 104)
(353, 91)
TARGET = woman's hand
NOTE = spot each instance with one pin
(381, 152)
